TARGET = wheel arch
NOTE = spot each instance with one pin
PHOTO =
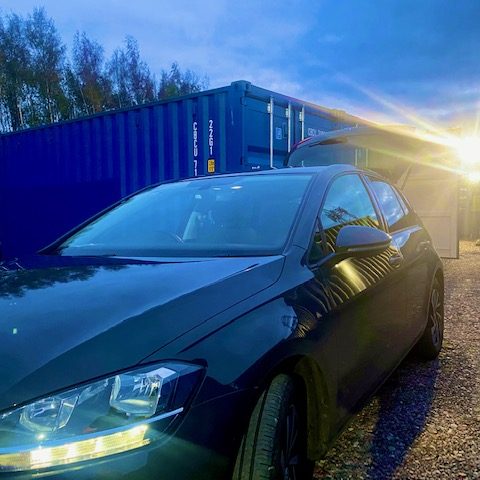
(312, 381)
(438, 273)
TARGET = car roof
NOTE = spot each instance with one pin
(327, 170)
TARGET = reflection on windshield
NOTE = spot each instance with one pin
(217, 216)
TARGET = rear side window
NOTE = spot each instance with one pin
(401, 198)
(393, 207)
(347, 202)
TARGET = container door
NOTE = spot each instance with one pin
(266, 133)
(433, 194)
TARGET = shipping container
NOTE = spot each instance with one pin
(54, 177)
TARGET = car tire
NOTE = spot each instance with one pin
(430, 343)
(275, 444)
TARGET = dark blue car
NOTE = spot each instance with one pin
(221, 327)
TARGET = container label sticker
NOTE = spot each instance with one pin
(211, 165)
(311, 132)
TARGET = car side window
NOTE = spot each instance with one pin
(393, 207)
(402, 200)
(347, 202)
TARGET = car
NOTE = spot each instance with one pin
(218, 327)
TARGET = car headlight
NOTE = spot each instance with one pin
(112, 415)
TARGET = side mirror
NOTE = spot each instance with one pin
(359, 241)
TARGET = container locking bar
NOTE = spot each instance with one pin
(302, 121)
(271, 106)
(288, 113)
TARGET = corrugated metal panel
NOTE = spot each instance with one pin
(54, 177)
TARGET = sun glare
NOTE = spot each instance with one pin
(469, 152)
(474, 177)
(465, 149)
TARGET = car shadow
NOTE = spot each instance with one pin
(404, 405)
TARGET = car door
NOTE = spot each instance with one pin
(413, 241)
(364, 301)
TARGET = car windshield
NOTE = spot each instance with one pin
(218, 216)
(323, 154)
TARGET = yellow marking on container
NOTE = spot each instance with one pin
(211, 165)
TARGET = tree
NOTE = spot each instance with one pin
(75, 103)
(175, 83)
(40, 83)
(132, 81)
(16, 76)
(118, 73)
(4, 120)
(47, 57)
(88, 66)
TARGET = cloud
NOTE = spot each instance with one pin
(330, 38)
(421, 54)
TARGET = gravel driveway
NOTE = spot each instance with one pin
(424, 423)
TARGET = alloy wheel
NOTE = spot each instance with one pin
(289, 455)
(436, 316)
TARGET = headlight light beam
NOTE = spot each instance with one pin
(114, 415)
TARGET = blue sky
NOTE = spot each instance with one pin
(376, 59)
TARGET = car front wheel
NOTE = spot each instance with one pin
(275, 445)
(430, 343)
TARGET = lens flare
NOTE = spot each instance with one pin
(473, 177)
(469, 152)
(460, 155)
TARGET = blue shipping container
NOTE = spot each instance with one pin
(54, 177)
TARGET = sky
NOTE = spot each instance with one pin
(394, 61)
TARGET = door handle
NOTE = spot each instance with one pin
(395, 260)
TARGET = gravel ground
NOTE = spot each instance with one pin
(424, 423)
